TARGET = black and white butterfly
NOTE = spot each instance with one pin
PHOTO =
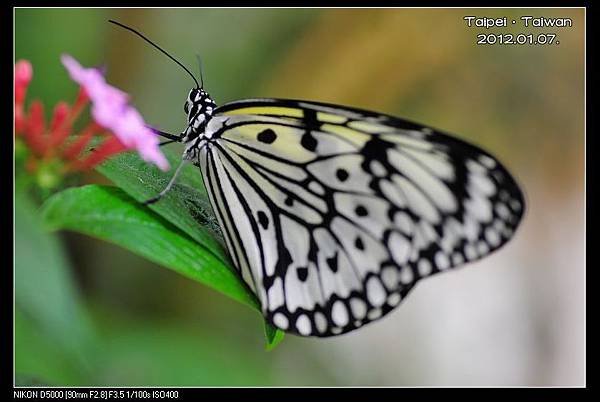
(332, 214)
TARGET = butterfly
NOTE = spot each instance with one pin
(332, 214)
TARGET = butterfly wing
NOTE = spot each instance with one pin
(332, 214)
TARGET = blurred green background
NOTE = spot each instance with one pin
(89, 313)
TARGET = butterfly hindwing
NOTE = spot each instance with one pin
(332, 214)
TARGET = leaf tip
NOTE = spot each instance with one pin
(273, 336)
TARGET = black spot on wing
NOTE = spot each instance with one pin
(332, 262)
(358, 243)
(263, 220)
(267, 136)
(342, 174)
(302, 273)
(361, 211)
(309, 142)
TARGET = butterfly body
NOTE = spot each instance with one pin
(332, 214)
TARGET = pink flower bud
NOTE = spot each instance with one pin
(23, 75)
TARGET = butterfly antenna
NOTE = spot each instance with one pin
(157, 47)
(200, 68)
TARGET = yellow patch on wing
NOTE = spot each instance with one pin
(268, 110)
(356, 137)
(286, 144)
(330, 118)
(372, 128)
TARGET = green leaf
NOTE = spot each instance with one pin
(186, 205)
(274, 336)
(45, 291)
(109, 214)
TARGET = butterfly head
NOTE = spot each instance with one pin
(199, 108)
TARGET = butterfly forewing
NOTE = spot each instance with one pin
(332, 214)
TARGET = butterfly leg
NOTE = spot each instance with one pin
(171, 137)
(168, 187)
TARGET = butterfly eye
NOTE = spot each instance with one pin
(186, 107)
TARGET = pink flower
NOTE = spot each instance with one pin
(111, 110)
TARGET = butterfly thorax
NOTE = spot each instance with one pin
(199, 108)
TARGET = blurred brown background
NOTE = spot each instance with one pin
(515, 318)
